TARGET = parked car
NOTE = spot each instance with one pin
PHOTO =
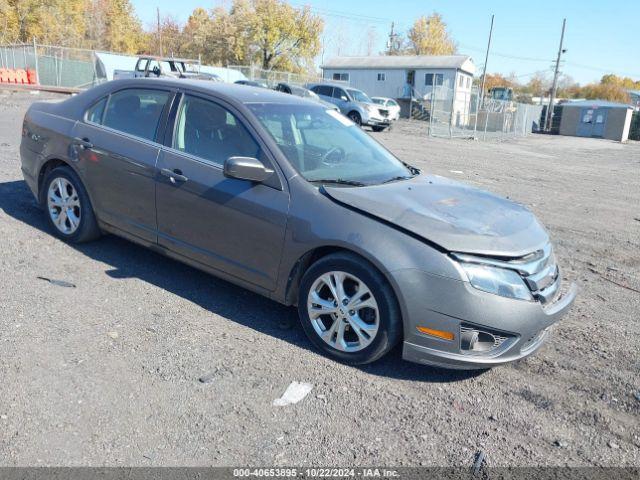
(390, 104)
(304, 93)
(252, 83)
(355, 104)
(150, 66)
(290, 200)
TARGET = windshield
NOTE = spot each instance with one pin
(359, 96)
(379, 101)
(323, 145)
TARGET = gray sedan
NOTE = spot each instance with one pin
(290, 200)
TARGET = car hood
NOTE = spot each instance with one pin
(450, 214)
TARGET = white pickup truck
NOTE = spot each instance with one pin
(150, 66)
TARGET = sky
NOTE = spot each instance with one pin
(601, 35)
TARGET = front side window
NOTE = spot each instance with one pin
(322, 145)
(136, 111)
(209, 131)
(339, 94)
(359, 96)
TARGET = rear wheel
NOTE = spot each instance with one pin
(348, 310)
(355, 118)
(68, 208)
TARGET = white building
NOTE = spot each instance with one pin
(446, 79)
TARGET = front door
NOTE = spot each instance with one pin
(231, 225)
(119, 157)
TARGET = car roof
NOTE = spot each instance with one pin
(241, 93)
(229, 92)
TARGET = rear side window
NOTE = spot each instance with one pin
(136, 111)
(323, 90)
(94, 114)
(209, 131)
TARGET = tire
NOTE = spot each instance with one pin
(378, 129)
(356, 348)
(355, 118)
(79, 224)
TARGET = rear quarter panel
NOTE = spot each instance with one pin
(45, 136)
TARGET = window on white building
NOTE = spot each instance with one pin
(343, 77)
(431, 79)
(382, 77)
(461, 81)
(468, 82)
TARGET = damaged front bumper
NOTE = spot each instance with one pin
(506, 329)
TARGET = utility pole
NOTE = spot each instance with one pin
(159, 31)
(484, 77)
(393, 40)
(548, 119)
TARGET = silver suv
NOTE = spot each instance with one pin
(355, 104)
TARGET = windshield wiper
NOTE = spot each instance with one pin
(400, 177)
(340, 181)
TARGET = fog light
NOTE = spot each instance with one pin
(436, 333)
(479, 341)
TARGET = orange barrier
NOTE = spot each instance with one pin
(18, 75)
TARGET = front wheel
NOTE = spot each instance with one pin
(355, 118)
(348, 309)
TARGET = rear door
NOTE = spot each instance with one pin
(118, 161)
(231, 225)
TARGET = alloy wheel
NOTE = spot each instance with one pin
(343, 311)
(63, 205)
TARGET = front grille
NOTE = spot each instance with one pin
(539, 271)
(384, 113)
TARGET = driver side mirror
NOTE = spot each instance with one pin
(246, 168)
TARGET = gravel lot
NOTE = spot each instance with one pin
(108, 373)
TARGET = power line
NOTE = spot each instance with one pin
(346, 15)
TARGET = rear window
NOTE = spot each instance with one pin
(136, 111)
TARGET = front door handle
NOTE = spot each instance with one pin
(174, 175)
(83, 142)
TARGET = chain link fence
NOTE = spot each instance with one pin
(55, 66)
(450, 112)
(273, 77)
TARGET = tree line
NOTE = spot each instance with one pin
(610, 87)
(271, 33)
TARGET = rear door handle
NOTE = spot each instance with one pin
(83, 142)
(174, 175)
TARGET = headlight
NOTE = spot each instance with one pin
(500, 281)
(371, 109)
